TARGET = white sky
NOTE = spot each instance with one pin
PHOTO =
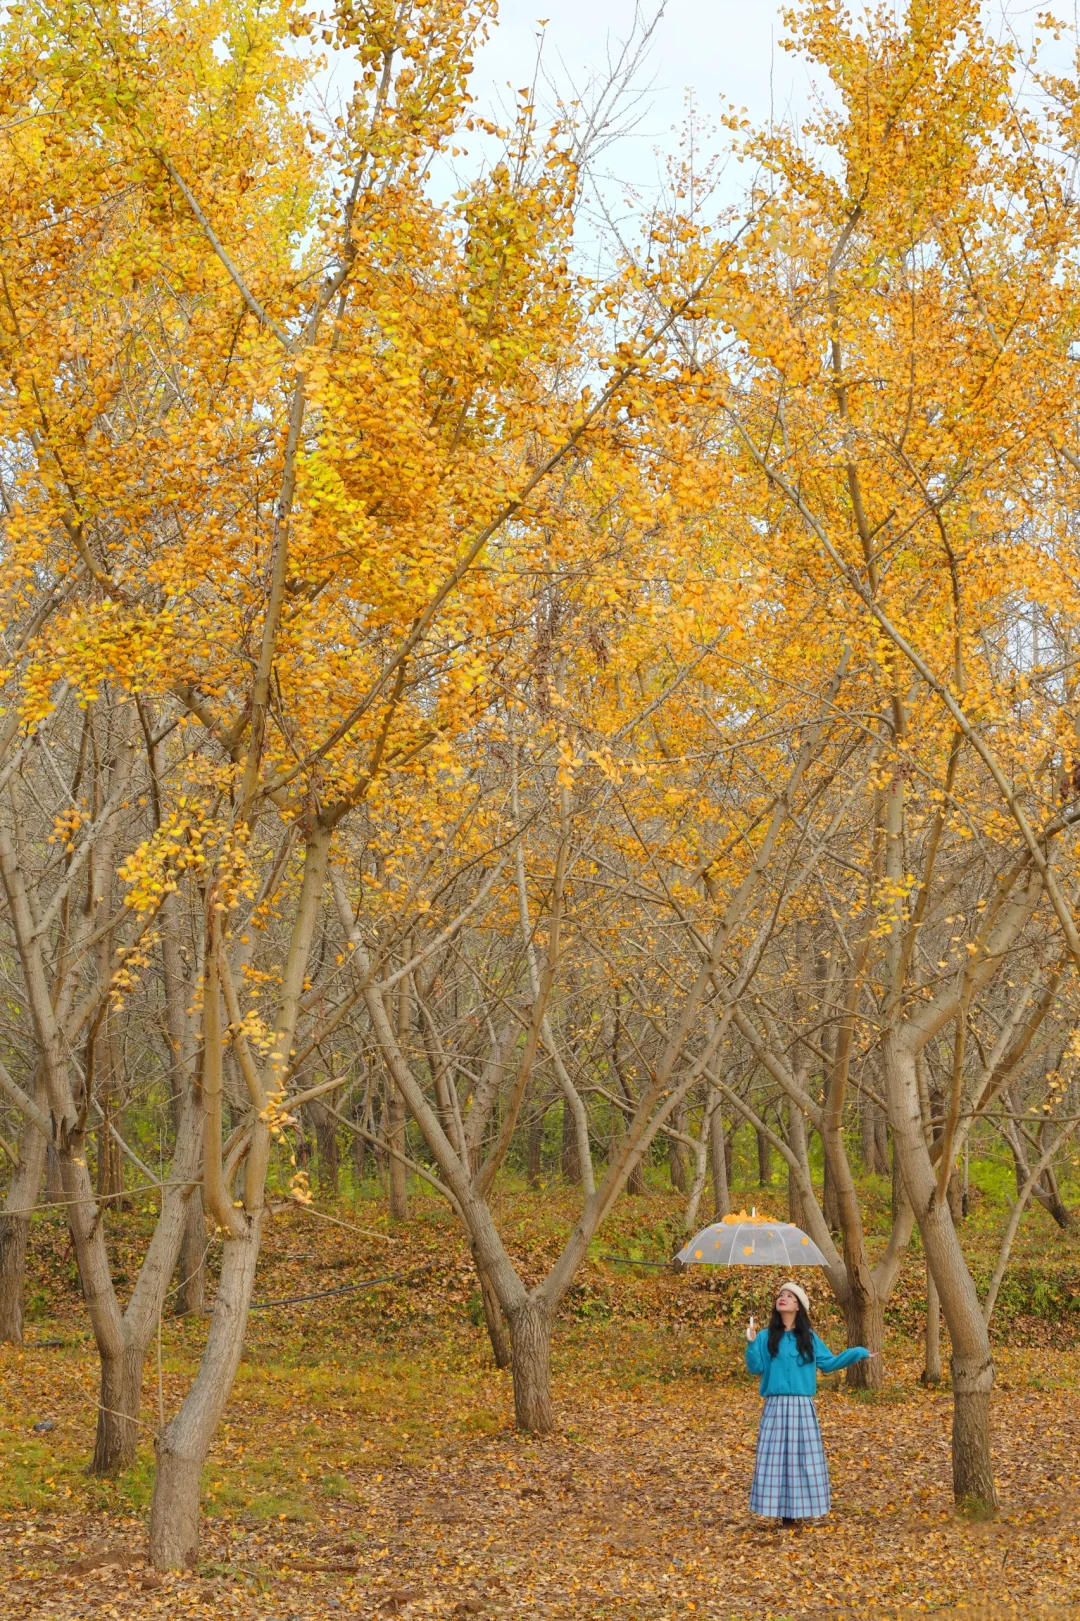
(721, 51)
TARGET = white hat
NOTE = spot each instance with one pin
(798, 1291)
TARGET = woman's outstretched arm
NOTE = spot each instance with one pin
(828, 1363)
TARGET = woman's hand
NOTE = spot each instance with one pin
(751, 1333)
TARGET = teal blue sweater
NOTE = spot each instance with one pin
(784, 1375)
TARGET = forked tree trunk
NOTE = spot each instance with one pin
(531, 1332)
(184, 1443)
(15, 1231)
(865, 1320)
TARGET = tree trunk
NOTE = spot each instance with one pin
(531, 1332)
(972, 1364)
(973, 1471)
(328, 1165)
(865, 1320)
(796, 1136)
(116, 1443)
(110, 1161)
(571, 1168)
(190, 1297)
(829, 1208)
(493, 1317)
(534, 1145)
(395, 1133)
(931, 1374)
(764, 1161)
(677, 1156)
(15, 1231)
(54, 1187)
(718, 1166)
(1049, 1194)
(184, 1443)
(395, 1114)
(881, 1138)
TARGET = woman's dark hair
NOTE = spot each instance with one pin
(804, 1334)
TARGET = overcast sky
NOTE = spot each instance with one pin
(722, 51)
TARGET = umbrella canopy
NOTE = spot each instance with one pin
(752, 1240)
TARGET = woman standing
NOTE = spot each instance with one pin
(791, 1477)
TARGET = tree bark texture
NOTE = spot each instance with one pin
(972, 1364)
(864, 1317)
(531, 1331)
(184, 1443)
(116, 1442)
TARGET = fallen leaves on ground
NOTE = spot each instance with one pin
(368, 1468)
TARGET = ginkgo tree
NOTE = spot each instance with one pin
(270, 405)
(895, 370)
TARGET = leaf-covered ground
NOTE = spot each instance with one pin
(369, 1467)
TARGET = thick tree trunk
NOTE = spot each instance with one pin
(931, 1374)
(973, 1471)
(531, 1332)
(972, 1364)
(117, 1440)
(865, 1320)
(15, 1231)
(184, 1443)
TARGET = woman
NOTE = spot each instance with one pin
(791, 1477)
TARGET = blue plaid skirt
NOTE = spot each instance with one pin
(791, 1477)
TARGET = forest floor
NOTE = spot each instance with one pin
(368, 1466)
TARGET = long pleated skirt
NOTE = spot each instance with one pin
(791, 1477)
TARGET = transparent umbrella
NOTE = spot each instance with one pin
(751, 1240)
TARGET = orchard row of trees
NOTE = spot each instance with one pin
(437, 676)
